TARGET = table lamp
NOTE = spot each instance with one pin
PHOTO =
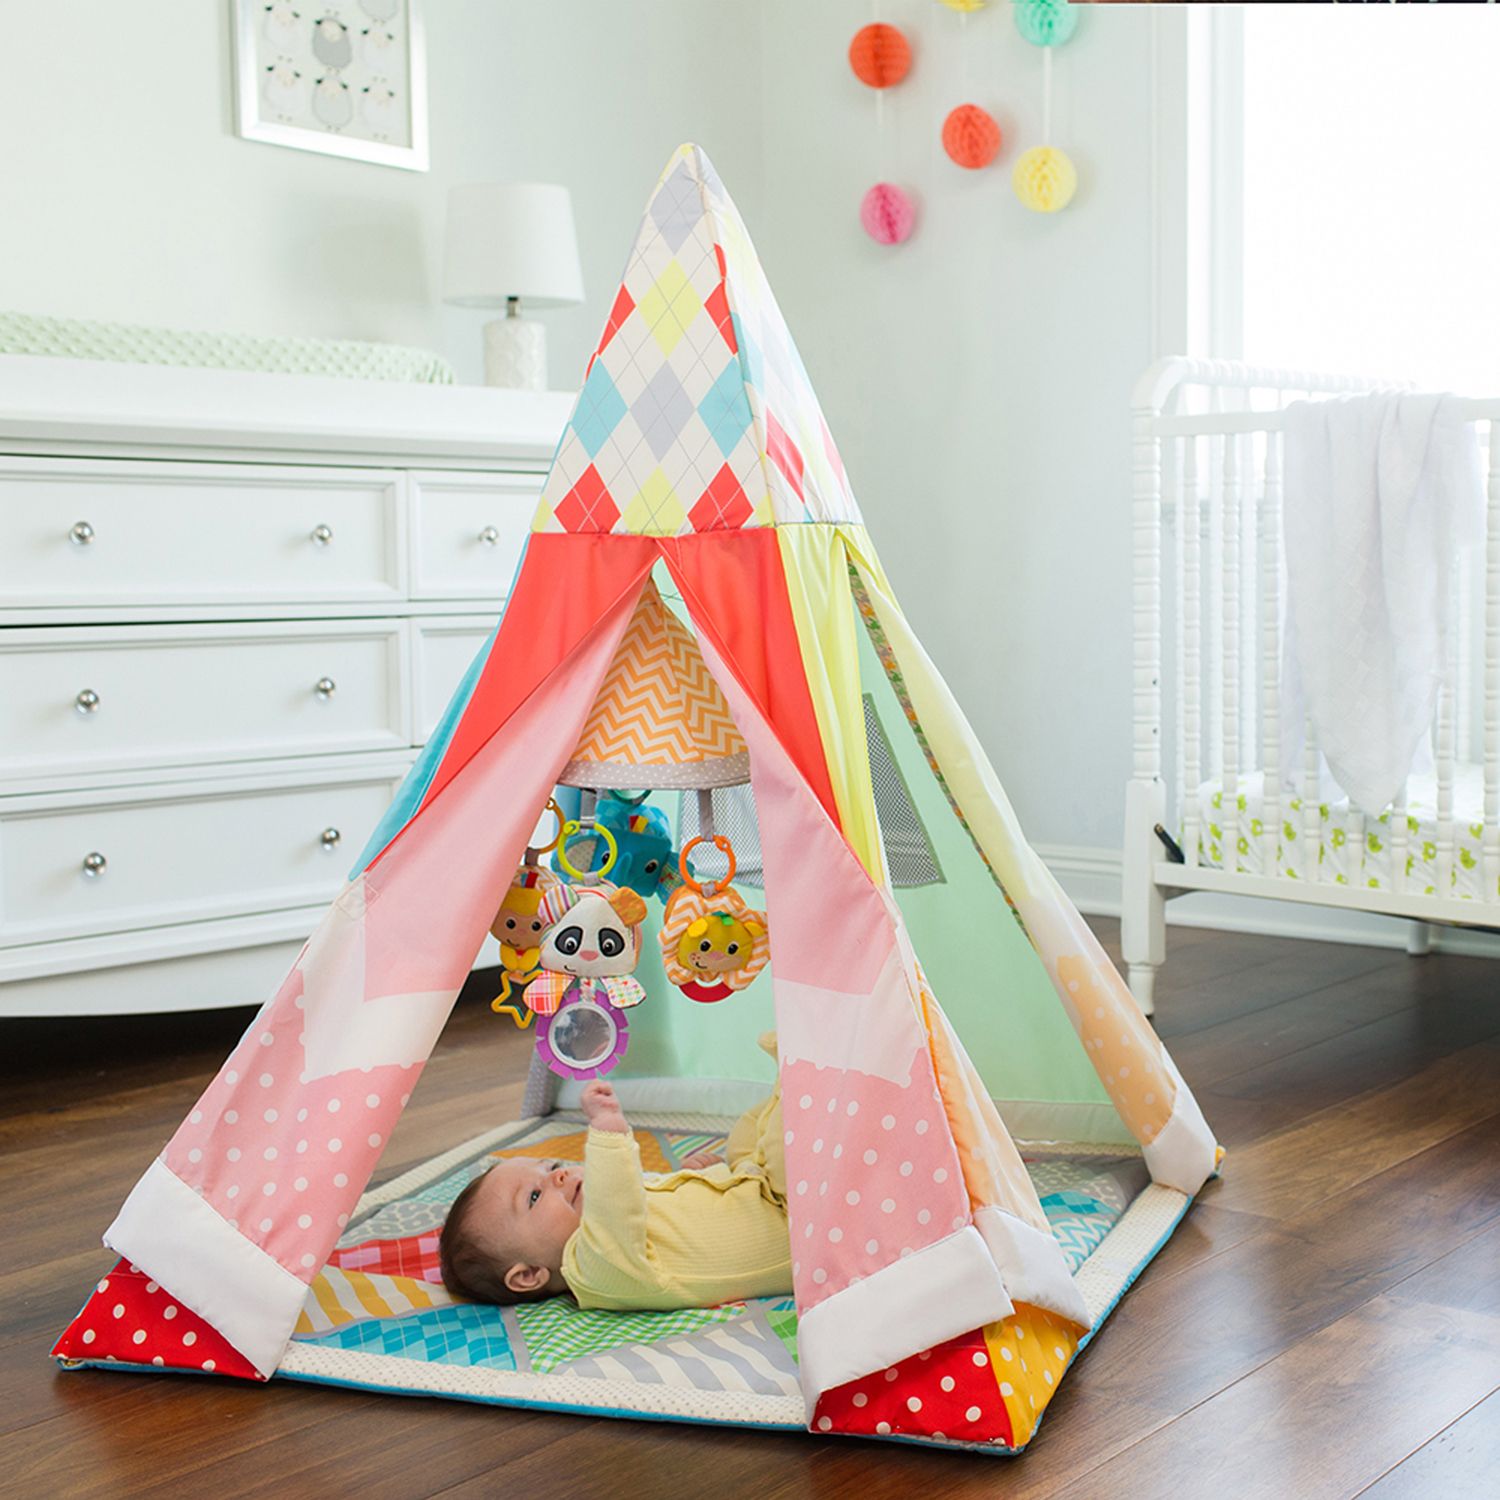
(509, 243)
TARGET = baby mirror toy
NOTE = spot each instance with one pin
(712, 943)
(591, 943)
(518, 929)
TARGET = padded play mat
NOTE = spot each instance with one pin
(378, 1317)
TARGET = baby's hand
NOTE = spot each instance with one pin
(601, 1109)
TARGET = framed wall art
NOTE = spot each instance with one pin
(345, 77)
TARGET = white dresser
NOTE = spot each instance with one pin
(232, 607)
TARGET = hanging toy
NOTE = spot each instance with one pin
(712, 943)
(642, 845)
(518, 929)
(590, 947)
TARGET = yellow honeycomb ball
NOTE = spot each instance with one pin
(966, 5)
(1044, 179)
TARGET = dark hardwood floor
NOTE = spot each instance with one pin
(1326, 1322)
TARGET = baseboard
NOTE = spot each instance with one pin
(1092, 879)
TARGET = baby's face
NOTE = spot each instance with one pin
(528, 1210)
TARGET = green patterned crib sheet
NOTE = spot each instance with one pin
(1353, 848)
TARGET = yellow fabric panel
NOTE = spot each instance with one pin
(1028, 1353)
(994, 1173)
(817, 578)
(1081, 972)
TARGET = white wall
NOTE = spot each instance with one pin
(126, 195)
(977, 378)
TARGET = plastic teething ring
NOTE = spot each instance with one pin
(556, 811)
(720, 843)
(573, 826)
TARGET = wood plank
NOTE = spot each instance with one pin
(1461, 1463)
(1347, 1143)
(1322, 1420)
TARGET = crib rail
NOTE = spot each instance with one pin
(1208, 506)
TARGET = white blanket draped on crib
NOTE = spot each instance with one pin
(1383, 490)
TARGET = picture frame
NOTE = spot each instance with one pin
(341, 77)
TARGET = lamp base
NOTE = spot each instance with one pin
(515, 354)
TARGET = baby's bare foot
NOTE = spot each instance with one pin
(700, 1159)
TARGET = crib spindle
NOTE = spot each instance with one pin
(1399, 841)
(1446, 740)
(1229, 568)
(1312, 824)
(1190, 622)
(1270, 646)
(1492, 674)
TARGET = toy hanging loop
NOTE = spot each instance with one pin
(720, 843)
(535, 851)
(571, 827)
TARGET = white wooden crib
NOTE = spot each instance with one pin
(1207, 506)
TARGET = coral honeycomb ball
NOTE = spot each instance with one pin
(888, 214)
(880, 55)
(1044, 179)
(971, 136)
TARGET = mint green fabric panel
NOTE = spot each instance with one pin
(139, 344)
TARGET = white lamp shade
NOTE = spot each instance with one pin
(511, 239)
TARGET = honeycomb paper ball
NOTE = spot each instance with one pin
(1046, 23)
(971, 136)
(888, 214)
(880, 55)
(1045, 179)
(966, 5)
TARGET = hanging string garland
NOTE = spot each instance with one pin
(880, 55)
(1044, 178)
(971, 137)
(888, 214)
(1045, 23)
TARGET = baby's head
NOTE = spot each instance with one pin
(504, 1238)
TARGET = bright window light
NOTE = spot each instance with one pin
(1372, 200)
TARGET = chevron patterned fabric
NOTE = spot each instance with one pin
(658, 706)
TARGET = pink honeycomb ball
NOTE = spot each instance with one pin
(888, 214)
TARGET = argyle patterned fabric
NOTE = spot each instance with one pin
(696, 413)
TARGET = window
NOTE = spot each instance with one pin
(1368, 218)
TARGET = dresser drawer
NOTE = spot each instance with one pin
(107, 698)
(80, 532)
(198, 855)
(468, 531)
(443, 649)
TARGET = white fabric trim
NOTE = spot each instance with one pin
(167, 1230)
(912, 1304)
(1032, 1265)
(1185, 1153)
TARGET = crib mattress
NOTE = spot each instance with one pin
(377, 1316)
(1356, 848)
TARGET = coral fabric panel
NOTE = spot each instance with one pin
(566, 584)
(734, 585)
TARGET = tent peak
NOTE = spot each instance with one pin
(696, 413)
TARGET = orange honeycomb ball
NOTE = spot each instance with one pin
(880, 55)
(971, 136)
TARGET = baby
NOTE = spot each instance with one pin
(615, 1238)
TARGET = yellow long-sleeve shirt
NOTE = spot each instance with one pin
(685, 1239)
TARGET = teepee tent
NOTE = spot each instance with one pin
(699, 606)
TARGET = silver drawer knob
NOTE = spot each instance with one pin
(322, 535)
(329, 838)
(325, 688)
(81, 534)
(93, 864)
(87, 701)
(489, 536)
